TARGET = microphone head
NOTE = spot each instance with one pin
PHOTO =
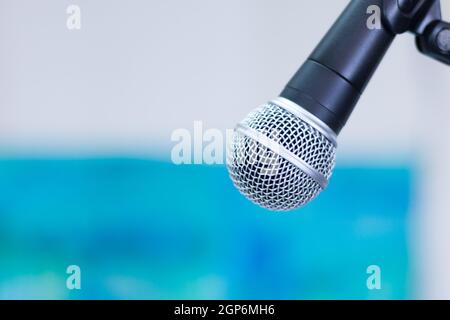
(281, 156)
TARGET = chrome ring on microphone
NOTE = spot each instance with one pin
(283, 152)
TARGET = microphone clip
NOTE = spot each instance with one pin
(424, 19)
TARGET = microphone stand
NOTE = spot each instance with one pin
(331, 81)
(424, 19)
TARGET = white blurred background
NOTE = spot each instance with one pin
(137, 70)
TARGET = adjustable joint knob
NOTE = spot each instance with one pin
(443, 40)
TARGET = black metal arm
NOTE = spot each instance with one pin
(424, 19)
(331, 81)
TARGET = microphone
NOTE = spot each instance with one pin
(283, 154)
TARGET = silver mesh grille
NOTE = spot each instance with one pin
(264, 175)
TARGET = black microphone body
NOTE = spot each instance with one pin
(331, 81)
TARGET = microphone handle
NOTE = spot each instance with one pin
(331, 81)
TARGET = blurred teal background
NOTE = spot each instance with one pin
(143, 229)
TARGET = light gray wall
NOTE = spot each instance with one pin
(139, 69)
